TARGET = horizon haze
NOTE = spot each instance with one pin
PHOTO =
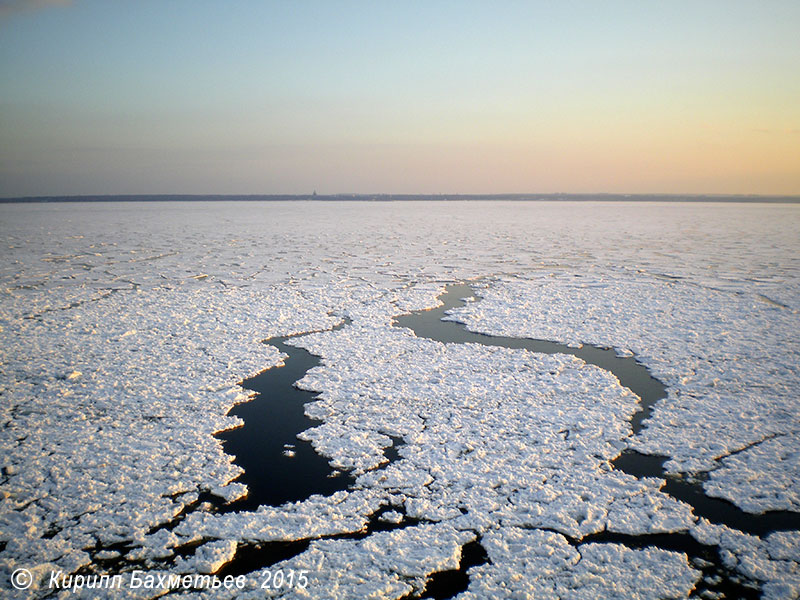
(444, 98)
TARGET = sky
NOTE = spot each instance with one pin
(434, 97)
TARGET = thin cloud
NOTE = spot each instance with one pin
(11, 7)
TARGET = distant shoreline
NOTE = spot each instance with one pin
(410, 197)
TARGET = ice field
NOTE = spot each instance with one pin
(127, 327)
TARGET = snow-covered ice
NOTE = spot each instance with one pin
(126, 328)
(729, 362)
(554, 569)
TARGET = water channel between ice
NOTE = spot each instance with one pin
(630, 374)
(636, 377)
(279, 468)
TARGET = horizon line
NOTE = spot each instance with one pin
(344, 196)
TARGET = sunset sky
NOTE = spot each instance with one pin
(112, 97)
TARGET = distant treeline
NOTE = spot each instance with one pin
(408, 197)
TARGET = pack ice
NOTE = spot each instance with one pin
(127, 327)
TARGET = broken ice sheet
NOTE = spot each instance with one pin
(106, 457)
(727, 374)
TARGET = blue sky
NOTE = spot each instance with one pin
(413, 97)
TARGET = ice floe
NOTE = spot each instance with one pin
(729, 363)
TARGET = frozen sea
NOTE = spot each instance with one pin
(127, 329)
